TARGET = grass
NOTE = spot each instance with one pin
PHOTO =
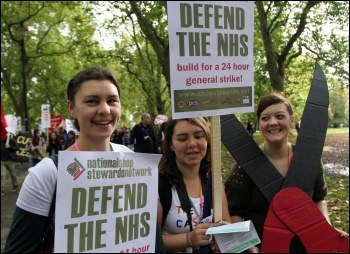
(338, 186)
(338, 201)
(337, 130)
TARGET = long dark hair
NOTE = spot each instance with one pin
(167, 165)
(51, 141)
(35, 138)
(94, 73)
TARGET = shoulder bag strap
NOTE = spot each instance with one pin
(145, 130)
(165, 196)
(185, 202)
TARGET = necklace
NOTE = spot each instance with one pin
(288, 156)
(199, 214)
(76, 146)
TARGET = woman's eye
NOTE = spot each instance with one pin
(198, 136)
(113, 101)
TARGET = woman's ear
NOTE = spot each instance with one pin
(292, 122)
(71, 111)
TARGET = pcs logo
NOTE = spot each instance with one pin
(193, 103)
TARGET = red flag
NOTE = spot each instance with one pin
(3, 123)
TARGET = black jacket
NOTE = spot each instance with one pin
(9, 154)
(143, 138)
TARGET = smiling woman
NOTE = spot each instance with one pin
(93, 101)
(245, 198)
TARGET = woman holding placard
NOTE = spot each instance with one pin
(94, 104)
(185, 170)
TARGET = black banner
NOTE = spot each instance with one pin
(22, 139)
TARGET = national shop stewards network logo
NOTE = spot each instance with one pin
(75, 169)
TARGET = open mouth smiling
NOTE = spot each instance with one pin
(102, 122)
(274, 131)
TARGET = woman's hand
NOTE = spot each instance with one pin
(197, 237)
(214, 247)
(343, 234)
(253, 249)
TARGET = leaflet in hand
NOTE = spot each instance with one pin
(234, 237)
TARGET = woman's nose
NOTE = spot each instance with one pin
(192, 142)
(104, 109)
(273, 121)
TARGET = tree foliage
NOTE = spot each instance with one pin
(58, 35)
(291, 30)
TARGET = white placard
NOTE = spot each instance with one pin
(211, 57)
(45, 116)
(106, 202)
(11, 121)
(70, 127)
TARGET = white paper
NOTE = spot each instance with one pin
(235, 237)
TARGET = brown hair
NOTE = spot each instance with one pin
(35, 138)
(274, 98)
(93, 73)
(167, 165)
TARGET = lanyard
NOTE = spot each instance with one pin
(76, 146)
(201, 202)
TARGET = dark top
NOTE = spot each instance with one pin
(63, 137)
(143, 138)
(245, 199)
(8, 154)
(69, 143)
(54, 147)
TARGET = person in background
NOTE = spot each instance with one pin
(250, 129)
(54, 145)
(186, 161)
(8, 153)
(119, 136)
(114, 136)
(143, 137)
(71, 139)
(32, 145)
(63, 136)
(94, 103)
(126, 136)
(245, 201)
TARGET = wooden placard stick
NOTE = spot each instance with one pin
(215, 130)
(8, 138)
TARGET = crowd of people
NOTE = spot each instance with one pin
(185, 171)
